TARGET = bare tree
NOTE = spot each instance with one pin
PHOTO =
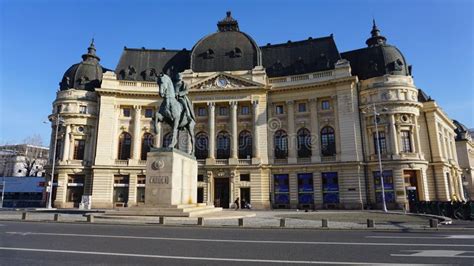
(34, 139)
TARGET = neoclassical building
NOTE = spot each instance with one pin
(290, 125)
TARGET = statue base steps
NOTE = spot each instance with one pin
(185, 210)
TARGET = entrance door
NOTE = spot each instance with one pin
(221, 192)
(411, 187)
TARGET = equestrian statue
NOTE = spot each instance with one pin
(176, 109)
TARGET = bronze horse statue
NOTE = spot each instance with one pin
(172, 112)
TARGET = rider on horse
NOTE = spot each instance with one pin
(181, 90)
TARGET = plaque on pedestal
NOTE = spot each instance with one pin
(171, 178)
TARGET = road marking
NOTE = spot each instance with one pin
(435, 253)
(242, 241)
(426, 237)
(197, 258)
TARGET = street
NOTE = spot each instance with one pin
(35, 243)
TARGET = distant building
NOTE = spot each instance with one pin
(23, 160)
(465, 153)
(23, 192)
(287, 125)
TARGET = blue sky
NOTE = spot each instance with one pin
(40, 39)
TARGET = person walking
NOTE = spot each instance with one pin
(236, 202)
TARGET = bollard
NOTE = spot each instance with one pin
(324, 223)
(434, 223)
(162, 220)
(24, 216)
(200, 221)
(56, 217)
(241, 222)
(370, 223)
(90, 218)
(282, 222)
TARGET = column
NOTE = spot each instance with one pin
(210, 189)
(291, 132)
(212, 130)
(393, 136)
(66, 143)
(417, 137)
(234, 142)
(136, 132)
(315, 143)
(157, 140)
(255, 140)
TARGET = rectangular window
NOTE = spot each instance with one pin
(325, 105)
(79, 147)
(279, 109)
(382, 143)
(141, 179)
(244, 110)
(59, 148)
(75, 188)
(223, 111)
(387, 184)
(281, 188)
(406, 141)
(200, 195)
(330, 187)
(200, 178)
(202, 111)
(302, 107)
(149, 113)
(59, 108)
(121, 183)
(126, 112)
(245, 177)
(305, 188)
(83, 109)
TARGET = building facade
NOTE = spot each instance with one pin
(291, 125)
(23, 160)
(465, 153)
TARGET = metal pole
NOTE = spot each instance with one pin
(50, 195)
(3, 189)
(380, 160)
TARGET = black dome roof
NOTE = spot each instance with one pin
(377, 59)
(226, 50)
(85, 75)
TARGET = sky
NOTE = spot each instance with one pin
(41, 39)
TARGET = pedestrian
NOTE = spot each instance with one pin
(236, 202)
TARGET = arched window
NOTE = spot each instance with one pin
(328, 142)
(201, 146)
(304, 143)
(167, 139)
(223, 145)
(125, 143)
(281, 144)
(147, 143)
(245, 145)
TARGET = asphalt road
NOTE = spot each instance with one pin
(35, 243)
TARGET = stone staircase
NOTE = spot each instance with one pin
(188, 210)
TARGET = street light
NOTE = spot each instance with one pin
(3, 188)
(50, 195)
(377, 138)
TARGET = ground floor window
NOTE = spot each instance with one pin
(200, 195)
(121, 183)
(388, 186)
(245, 197)
(305, 188)
(330, 187)
(75, 188)
(282, 189)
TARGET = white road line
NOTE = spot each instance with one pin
(435, 253)
(426, 237)
(242, 241)
(195, 258)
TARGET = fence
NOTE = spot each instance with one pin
(455, 210)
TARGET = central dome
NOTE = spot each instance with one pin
(226, 50)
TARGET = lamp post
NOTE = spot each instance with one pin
(379, 158)
(3, 188)
(50, 195)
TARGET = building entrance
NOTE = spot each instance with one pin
(221, 192)
(411, 187)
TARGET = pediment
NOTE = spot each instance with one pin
(222, 81)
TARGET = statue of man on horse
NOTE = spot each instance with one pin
(176, 109)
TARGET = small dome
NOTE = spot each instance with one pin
(86, 75)
(226, 50)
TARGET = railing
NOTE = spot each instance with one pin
(281, 161)
(222, 161)
(121, 162)
(128, 83)
(456, 210)
(141, 162)
(328, 158)
(245, 161)
(304, 160)
(318, 75)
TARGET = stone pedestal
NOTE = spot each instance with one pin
(171, 178)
